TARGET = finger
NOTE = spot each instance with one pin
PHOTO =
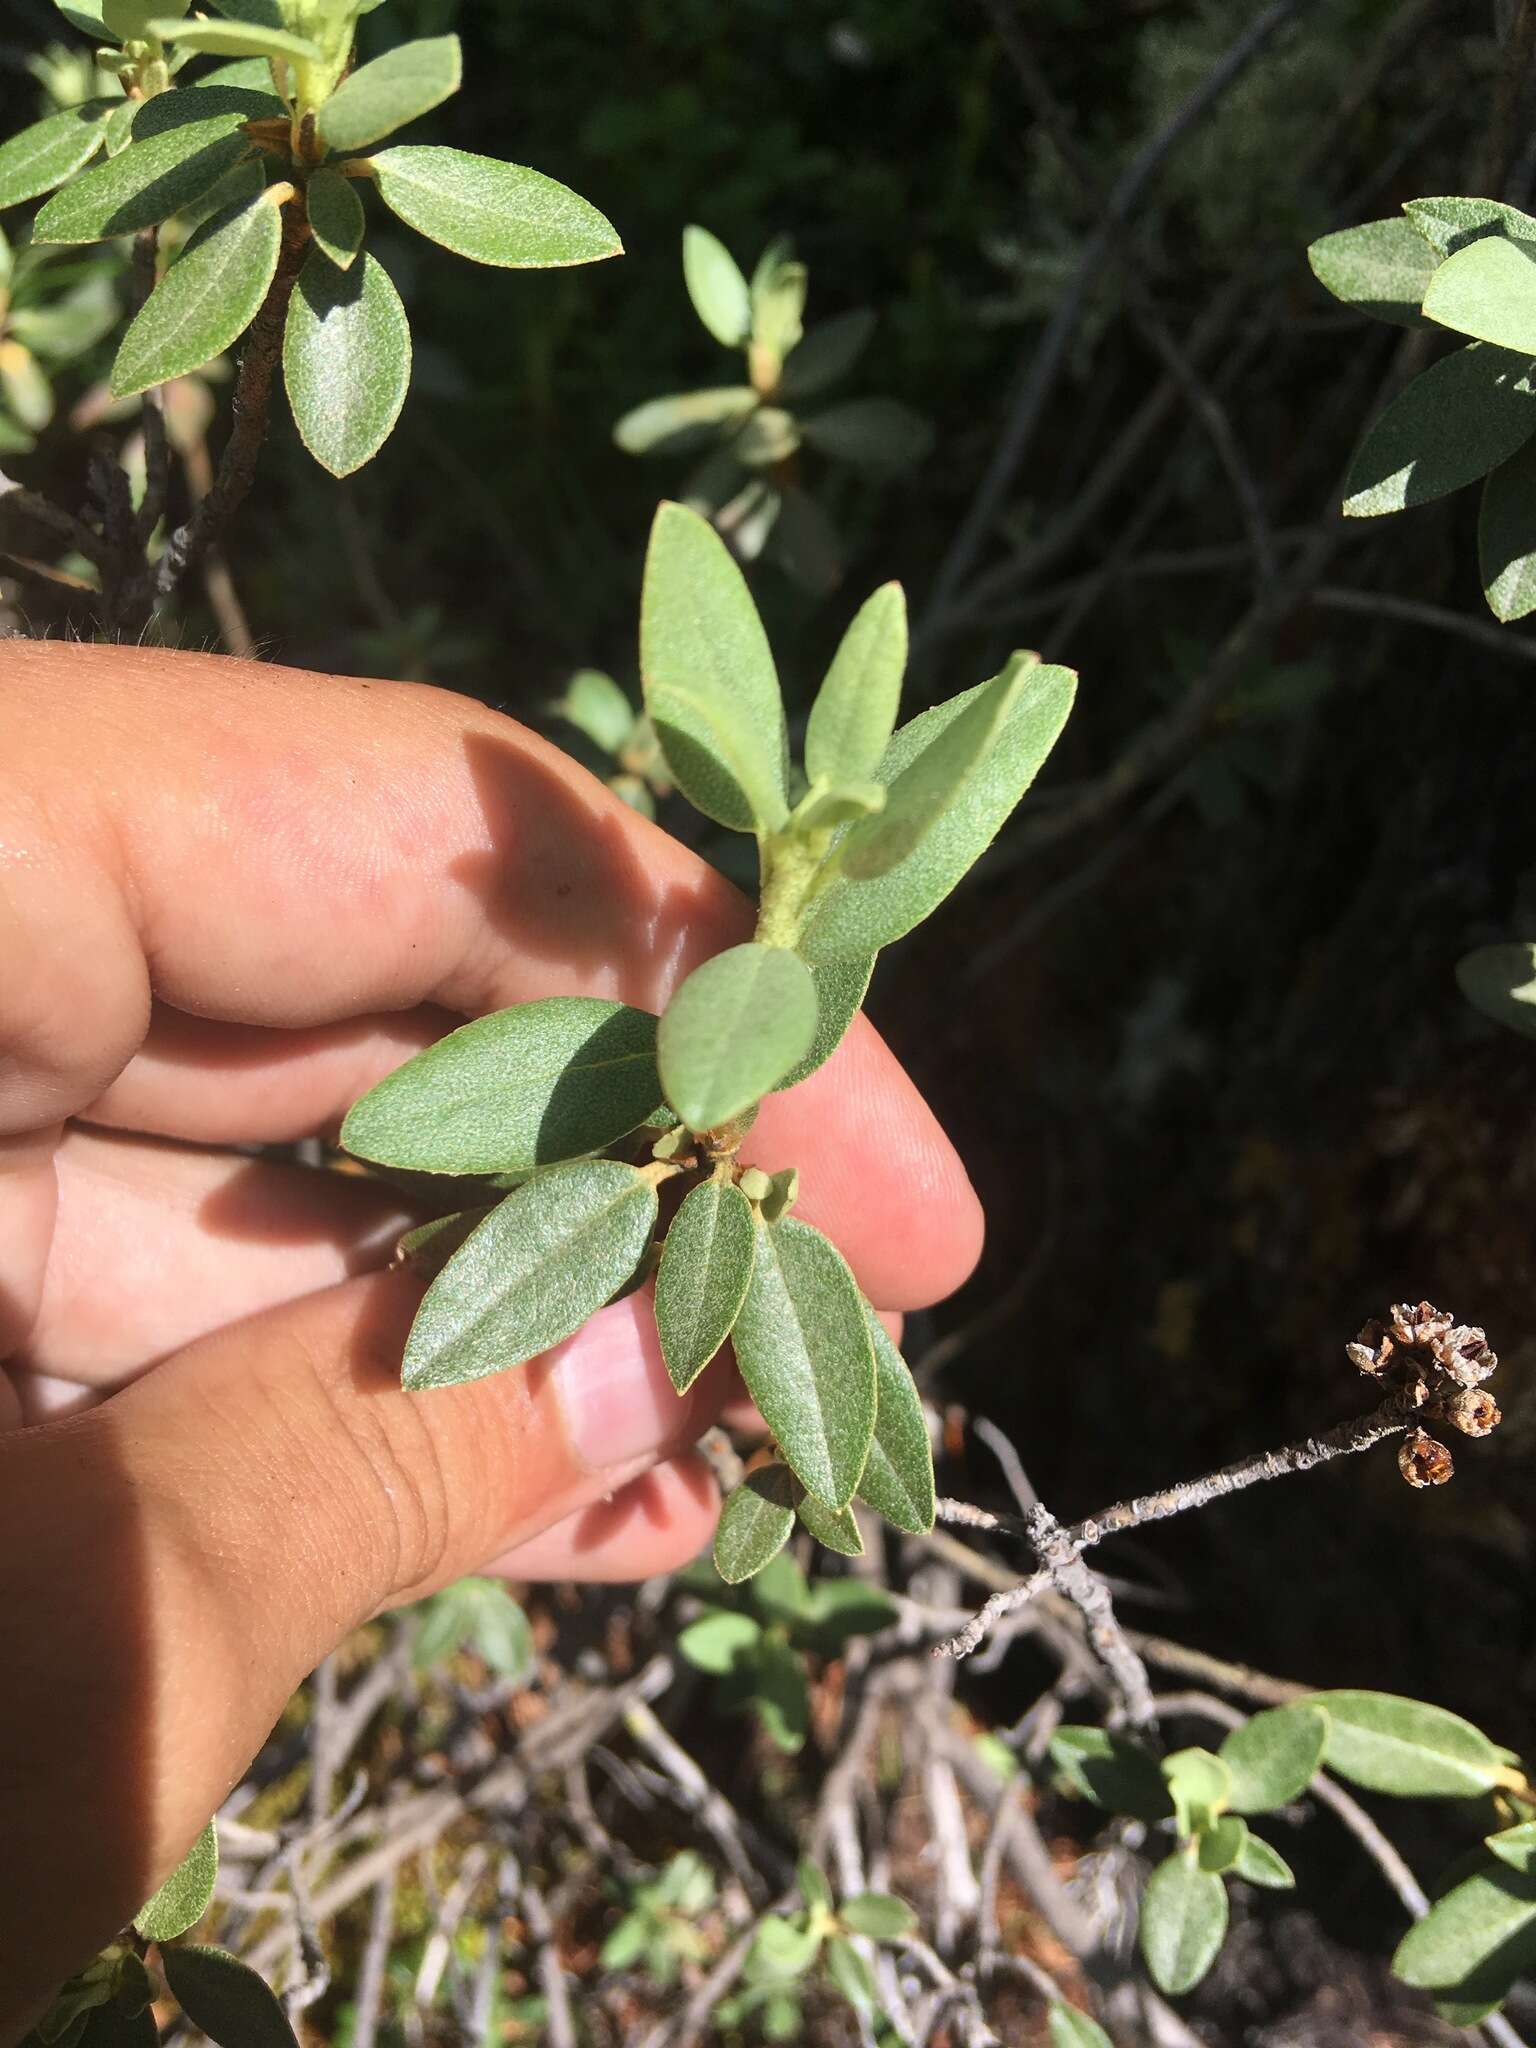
(657, 1523)
(222, 1523)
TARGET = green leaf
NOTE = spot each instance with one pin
(84, 15)
(346, 360)
(879, 1915)
(676, 426)
(854, 714)
(897, 1480)
(1274, 1757)
(1506, 536)
(1407, 1747)
(733, 1030)
(130, 20)
(1488, 291)
(934, 781)
(113, 2026)
(769, 435)
(1199, 1786)
(719, 1642)
(237, 39)
(1111, 1771)
(119, 128)
(851, 1974)
(542, 1262)
(837, 1610)
(827, 353)
(1257, 1863)
(205, 301)
(335, 215)
(51, 150)
(780, 1593)
(804, 1350)
(1220, 1846)
(596, 706)
(1451, 224)
(1183, 1923)
(840, 990)
(525, 1087)
(710, 684)
(1382, 267)
(870, 433)
(778, 300)
(716, 286)
(186, 1894)
(1501, 982)
(226, 1999)
(858, 917)
(406, 82)
(25, 388)
(500, 1632)
(1515, 1846)
(1461, 418)
(837, 1531)
(782, 1948)
(814, 1888)
(1073, 2029)
(252, 74)
(755, 1522)
(805, 542)
(502, 214)
(701, 1283)
(151, 179)
(429, 1247)
(781, 1695)
(1476, 1941)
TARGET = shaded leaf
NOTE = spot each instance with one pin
(733, 1030)
(837, 1610)
(870, 433)
(897, 1480)
(1452, 223)
(701, 1283)
(525, 1087)
(543, 1261)
(779, 1592)
(1073, 2029)
(1474, 1942)
(596, 706)
(767, 436)
(1515, 1846)
(113, 2026)
(1199, 1786)
(803, 1348)
(1111, 1771)
(1220, 1846)
(755, 1522)
(1382, 267)
(346, 360)
(851, 1974)
(149, 180)
(429, 1247)
(226, 1999)
(879, 1915)
(186, 1894)
(1462, 417)
(834, 1529)
(1501, 982)
(1506, 536)
(335, 215)
(718, 1642)
(1273, 1757)
(827, 353)
(492, 212)
(406, 82)
(806, 544)
(812, 1880)
(781, 1695)
(840, 990)
(716, 287)
(1488, 291)
(854, 714)
(1257, 1863)
(1407, 1747)
(1183, 1923)
(205, 301)
(675, 426)
(51, 150)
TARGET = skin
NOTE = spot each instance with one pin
(232, 897)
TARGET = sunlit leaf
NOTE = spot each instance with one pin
(237, 39)
(346, 360)
(206, 300)
(596, 706)
(702, 1281)
(1418, 1751)
(755, 1522)
(1459, 419)
(1273, 1757)
(1071, 2028)
(1199, 1785)
(879, 1915)
(1183, 1923)
(406, 82)
(1381, 267)
(733, 1030)
(186, 1894)
(44, 155)
(1488, 291)
(677, 426)
(335, 215)
(716, 286)
(840, 990)
(226, 1998)
(163, 169)
(1475, 1941)
(492, 212)
(1257, 1863)
(854, 714)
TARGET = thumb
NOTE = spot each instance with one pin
(174, 1563)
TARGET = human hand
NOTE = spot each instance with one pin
(231, 898)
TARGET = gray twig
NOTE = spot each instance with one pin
(1410, 611)
(370, 1976)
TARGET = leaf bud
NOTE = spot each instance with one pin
(1472, 1410)
(1372, 1349)
(1423, 1462)
(756, 1185)
(1464, 1354)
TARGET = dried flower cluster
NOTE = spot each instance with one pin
(1440, 1365)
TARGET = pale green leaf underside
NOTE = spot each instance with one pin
(492, 212)
(805, 1353)
(702, 1281)
(205, 301)
(673, 426)
(1407, 1747)
(1506, 536)
(710, 684)
(346, 360)
(52, 150)
(1501, 982)
(1488, 291)
(854, 714)
(858, 917)
(335, 215)
(238, 39)
(186, 1894)
(521, 1088)
(148, 181)
(897, 1480)
(380, 97)
(755, 1523)
(1383, 267)
(596, 706)
(716, 286)
(544, 1260)
(733, 1030)
(1183, 1923)
(226, 1999)
(1273, 1757)
(1451, 425)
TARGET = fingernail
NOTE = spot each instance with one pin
(617, 1400)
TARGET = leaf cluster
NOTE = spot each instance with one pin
(620, 741)
(657, 1930)
(479, 1615)
(747, 439)
(792, 1951)
(1467, 266)
(51, 314)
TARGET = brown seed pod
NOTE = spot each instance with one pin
(1418, 1322)
(1372, 1348)
(1464, 1354)
(1472, 1410)
(1423, 1462)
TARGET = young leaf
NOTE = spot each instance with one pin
(525, 1087)
(1407, 1747)
(237, 39)
(151, 179)
(858, 917)
(492, 212)
(25, 388)
(1462, 417)
(851, 1974)
(716, 286)
(186, 1894)
(827, 353)
(1451, 224)
(1501, 982)
(1382, 267)
(841, 986)
(777, 295)
(1257, 1863)
(346, 360)
(596, 706)
(897, 1480)
(781, 1696)
(879, 1915)
(1274, 1757)
(1111, 1771)
(1199, 1786)
(675, 426)
(1515, 1846)
(543, 1261)
(804, 1351)
(701, 1283)
(1220, 1847)
(1183, 1923)
(335, 215)
(1475, 1941)
(205, 301)
(710, 684)
(406, 82)
(51, 150)
(812, 1880)
(718, 1642)
(854, 714)
(226, 1999)
(1073, 2029)
(755, 1522)
(1506, 536)
(834, 1530)
(733, 1030)
(1488, 291)
(780, 1593)
(870, 433)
